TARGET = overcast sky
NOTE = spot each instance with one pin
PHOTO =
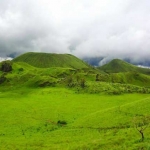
(109, 28)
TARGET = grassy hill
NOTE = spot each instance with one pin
(47, 60)
(134, 78)
(117, 65)
(47, 108)
(24, 74)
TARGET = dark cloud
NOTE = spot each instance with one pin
(85, 28)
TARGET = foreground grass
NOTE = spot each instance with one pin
(28, 120)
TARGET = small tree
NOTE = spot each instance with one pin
(141, 123)
(97, 77)
(2, 79)
(6, 66)
(70, 81)
(82, 83)
(61, 122)
(77, 78)
(21, 69)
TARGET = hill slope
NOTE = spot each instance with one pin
(117, 65)
(47, 60)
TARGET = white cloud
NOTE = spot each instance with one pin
(3, 59)
(82, 27)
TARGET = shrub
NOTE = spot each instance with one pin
(44, 84)
(61, 122)
(82, 83)
(21, 69)
(97, 77)
(70, 82)
(77, 78)
(2, 79)
(6, 66)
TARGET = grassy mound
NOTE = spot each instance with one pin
(118, 65)
(47, 60)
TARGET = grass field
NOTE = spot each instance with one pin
(74, 106)
(29, 120)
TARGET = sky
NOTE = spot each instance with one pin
(84, 28)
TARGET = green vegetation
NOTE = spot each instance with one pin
(72, 107)
(6, 66)
(45, 60)
(58, 118)
(134, 78)
(117, 65)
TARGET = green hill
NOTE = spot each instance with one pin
(134, 78)
(117, 65)
(24, 74)
(47, 60)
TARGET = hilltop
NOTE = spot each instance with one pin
(47, 60)
(117, 65)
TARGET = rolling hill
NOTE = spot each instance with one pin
(50, 105)
(47, 60)
(117, 65)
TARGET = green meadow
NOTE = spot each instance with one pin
(29, 120)
(73, 108)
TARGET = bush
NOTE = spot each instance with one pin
(6, 66)
(2, 79)
(70, 82)
(21, 69)
(82, 83)
(61, 122)
(97, 77)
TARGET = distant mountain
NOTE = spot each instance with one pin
(144, 63)
(99, 61)
(117, 65)
(46, 60)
